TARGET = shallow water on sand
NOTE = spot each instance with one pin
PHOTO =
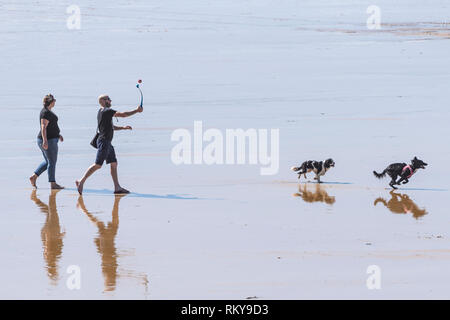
(366, 99)
(227, 240)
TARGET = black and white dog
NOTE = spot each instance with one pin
(401, 169)
(318, 167)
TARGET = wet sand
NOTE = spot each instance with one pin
(366, 99)
(271, 240)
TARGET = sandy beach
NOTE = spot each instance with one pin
(312, 70)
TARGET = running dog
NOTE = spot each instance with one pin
(403, 170)
(318, 167)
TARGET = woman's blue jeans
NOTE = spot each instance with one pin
(50, 158)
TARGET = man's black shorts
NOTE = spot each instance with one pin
(105, 151)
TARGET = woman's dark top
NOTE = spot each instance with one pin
(52, 128)
(105, 123)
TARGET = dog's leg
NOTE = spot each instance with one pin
(393, 180)
(317, 177)
(392, 183)
(402, 180)
(300, 173)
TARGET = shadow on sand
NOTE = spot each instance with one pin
(137, 195)
(418, 189)
(322, 182)
(329, 182)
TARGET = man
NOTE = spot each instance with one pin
(105, 150)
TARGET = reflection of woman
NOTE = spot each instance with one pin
(105, 242)
(52, 237)
(47, 141)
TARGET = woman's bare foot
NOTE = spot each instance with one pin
(79, 187)
(33, 195)
(55, 186)
(33, 179)
(121, 191)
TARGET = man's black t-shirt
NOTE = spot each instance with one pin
(105, 123)
(52, 128)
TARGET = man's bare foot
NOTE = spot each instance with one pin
(79, 187)
(55, 186)
(121, 191)
(33, 179)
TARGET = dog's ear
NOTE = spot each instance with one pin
(415, 158)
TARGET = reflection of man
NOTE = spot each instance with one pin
(320, 195)
(401, 203)
(105, 242)
(52, 237)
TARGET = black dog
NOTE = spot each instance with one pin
(401, 169)
(318, 167)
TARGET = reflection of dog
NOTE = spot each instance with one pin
(318, 167)
(401, 169)
(320, 195)
(401, 203)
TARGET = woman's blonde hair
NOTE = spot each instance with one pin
(48, 99)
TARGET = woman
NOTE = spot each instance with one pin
(47, 141)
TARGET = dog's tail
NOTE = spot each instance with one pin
(380, 200)
(295, 169)
(380, 175)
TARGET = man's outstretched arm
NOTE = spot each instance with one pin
(128, 113)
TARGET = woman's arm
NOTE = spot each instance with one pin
(44, 124)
